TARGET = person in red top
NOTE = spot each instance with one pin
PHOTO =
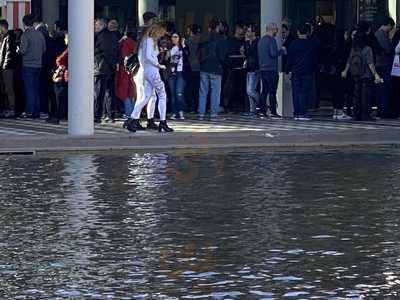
(125, 88)
(61, 86)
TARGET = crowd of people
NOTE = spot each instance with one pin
(207, 72)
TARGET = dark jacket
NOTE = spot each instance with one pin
(8, 52)
(212, 53)
(186, 64)
(302, 58)
(234, 58)
(268, 53)
(251, 52)
(106, 53)
(193, 44)
(340, 56)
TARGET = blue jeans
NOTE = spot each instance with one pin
(177, 91)
(253, 78)
(209, 83)
(31, 77)
(383, 91)
(270, 80)
(129, 106)
(302, 93)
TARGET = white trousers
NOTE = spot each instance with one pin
(139, 82)
(152, 83)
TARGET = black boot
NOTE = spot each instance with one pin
(139, 126)
(163, 127)
(133, 125)
(151, 125)
(128, 124)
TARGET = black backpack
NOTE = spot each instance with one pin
(356, 63)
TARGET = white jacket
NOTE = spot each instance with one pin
(148, 55)
(398, 49)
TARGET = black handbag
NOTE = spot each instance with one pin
(131, 64)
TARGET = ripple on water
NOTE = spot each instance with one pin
(206, 225)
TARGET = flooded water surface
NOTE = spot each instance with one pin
(209, 225)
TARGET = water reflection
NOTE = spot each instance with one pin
(211, 225)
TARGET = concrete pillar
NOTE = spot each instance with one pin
(147, 5)
(50, 11)
(272, 11)
(81, 64)
(393, 9)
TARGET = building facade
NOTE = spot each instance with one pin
(343, 13)
(80, 16)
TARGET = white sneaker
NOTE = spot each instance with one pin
(303, 118)
(44, 116)
(342, 117)
(181, 116)
(9, 114)
(173, 117)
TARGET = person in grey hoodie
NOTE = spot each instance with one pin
(268, 55)
(32, 48)
(384, 62)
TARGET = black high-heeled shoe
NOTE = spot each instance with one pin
(139, 126)
(151, 125)
(128, 124)
(163, 127)
(133, 125)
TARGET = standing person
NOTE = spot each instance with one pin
(193, 84)
(61, 86)
(396, 83)
(106, 56)
(125, 88)
(361, 67)
(268, 55)
(33, 46)
(211, 57)
(148, 57)
(252, 67)
(384, 61)
(20, 100)
(343, 87)
(45, 89)
(301, 66)
(287, 39)
(113, 27)
(8, 63)
(235, 80)
(179, 66)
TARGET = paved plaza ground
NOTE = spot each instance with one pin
(232, 131)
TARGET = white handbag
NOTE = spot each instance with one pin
(396, 66)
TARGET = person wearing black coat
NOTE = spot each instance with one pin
(8, 63)
(106, 57)
(343, 87)
(234, 88)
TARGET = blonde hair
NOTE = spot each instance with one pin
(154, 31)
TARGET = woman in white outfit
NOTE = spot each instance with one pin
(148, 58)
(395, 101)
